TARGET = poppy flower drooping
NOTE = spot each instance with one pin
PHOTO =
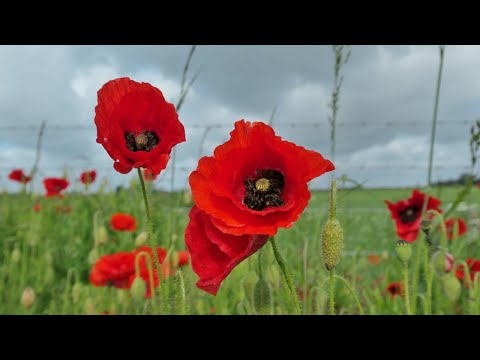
(136, 125)
(395, 289)
(123, 222)
(450, 225)
(407, 214)
(88, 177)
(473, 267)
(55, 186)
(19, 176)
(254, 184)
(148, 175)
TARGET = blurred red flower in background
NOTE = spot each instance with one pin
(37, 207)
(395, 289)
(88, 177)
(55, 186)
(183, 257)
(373, 259)
(19, 176)
(407, 214)
(136, 125)
(123, 222)
(450, 224)
(473, 266)
(148, 175)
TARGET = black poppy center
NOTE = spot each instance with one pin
(410, 214)
(396, 290)
(144, 141)
(264, 189)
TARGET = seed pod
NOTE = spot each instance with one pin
(403, 250)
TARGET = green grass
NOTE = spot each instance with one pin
(55, 255)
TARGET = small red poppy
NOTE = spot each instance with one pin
(88, 177)
(450, 224)
(54, 186)
(19, 176)
(255, 182)
(123, 222)
(37, 207)
(373, 259)
(183, 257)
(408, 214)
(473, 266)
(148, 175)
(114, 269)
(136, 125)
(395, 289)
(63, 209)
(214, 254)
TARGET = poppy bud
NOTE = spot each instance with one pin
(403, 250)
(442, 262)
(90, 308)
(332, 243)
(138, 288)
(93, 256)
(101, 236)
(249, 282)
(28, 298)
(451, 287)
(16, 255)
(385, 255)
(141, 239)
(262, 300)
(187, 198)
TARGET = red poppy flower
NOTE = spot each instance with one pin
(408, 214)
(114, 269)
(63, 209)
(54, 186)
(473, 266)
(183, 257)
(450, 224)
(373, 259)
(395, 289)
(148, 175)
(255, 182)
(123, 222)
(37, 207)
(88, 177)
(18, 175)
(136, 126)
(214, 254)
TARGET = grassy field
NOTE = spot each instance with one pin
(52, 251)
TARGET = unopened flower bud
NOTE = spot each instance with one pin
(403, 250)
(262, 300)
(451, 287)
(385, 255)
(76, 291)
(138, 288)
(101, 237)
(90, 308)
(16, 255)
(141, 239)
(93, 256)
(332, 243)
(28, 298)
(442, 262)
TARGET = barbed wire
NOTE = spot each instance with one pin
(411, 123)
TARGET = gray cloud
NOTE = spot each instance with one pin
(384, 120)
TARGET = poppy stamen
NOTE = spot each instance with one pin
(264, 189)
(262, 185)
(145, 141)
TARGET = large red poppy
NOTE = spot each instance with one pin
(55, 186)
(473, 266)
(214, 254)
(408, 214)
(136, 125)
(450, 224)
(19, 176)
(255, 182)
(395, 289)
(123, 222)
(88, 177)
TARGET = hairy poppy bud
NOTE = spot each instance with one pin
(442, 262)
(262, 300)
(101, 237)
(16, 255)
(141, 239)
(403, 250)
(28, 298)
(451, 287)
(93, 256)
(76, 291)
(332, 243)
(138, 288)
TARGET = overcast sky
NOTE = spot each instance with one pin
(385, 115)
